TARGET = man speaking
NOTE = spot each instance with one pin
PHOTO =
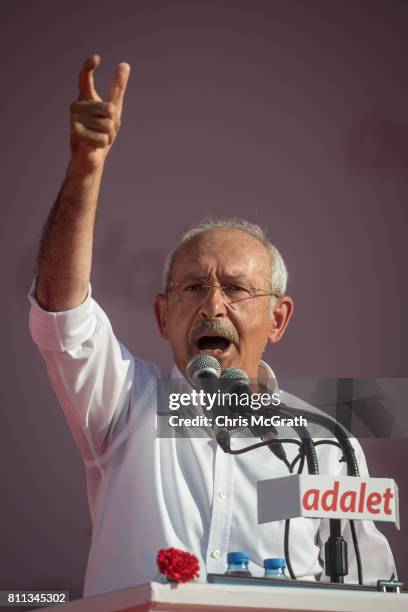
(224, 295)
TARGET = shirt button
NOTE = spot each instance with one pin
(222, 494)
(216, 553)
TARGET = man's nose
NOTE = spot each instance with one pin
(214, 304)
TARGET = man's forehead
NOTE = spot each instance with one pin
(226, 251)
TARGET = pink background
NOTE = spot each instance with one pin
(292, 114)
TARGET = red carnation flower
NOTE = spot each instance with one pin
(177, 565)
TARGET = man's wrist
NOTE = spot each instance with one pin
(79, 168)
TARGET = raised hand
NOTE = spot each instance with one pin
(95, 122)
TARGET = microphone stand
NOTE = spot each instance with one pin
(336, 561)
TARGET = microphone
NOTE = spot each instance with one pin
(203, 372)
(235, 380)
(241, 385)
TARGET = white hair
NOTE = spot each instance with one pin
(278, 271)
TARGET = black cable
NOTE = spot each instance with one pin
(332, 442)
(329, 423)
(290, 466)
(265, 443)
(352, 525)
(307, 441)
(302, 432)
(308, 449)
(287, 555)
(301, 457)
(294, 462)
(352, 470)
(356, 552)
(287, 522)
(296, 459)
(302, 463)
(286, 462)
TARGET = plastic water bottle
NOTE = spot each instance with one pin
(238, 564)
(275, 568)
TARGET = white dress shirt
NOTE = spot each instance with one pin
(147, 493)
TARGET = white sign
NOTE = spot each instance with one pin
(343, 497)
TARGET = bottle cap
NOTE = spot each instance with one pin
(274, 563)
(237, 557)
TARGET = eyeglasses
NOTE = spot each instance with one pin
(196, 293)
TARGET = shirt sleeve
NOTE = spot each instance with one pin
(376, 557)
(93, 375)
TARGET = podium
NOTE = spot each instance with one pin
(222, 598)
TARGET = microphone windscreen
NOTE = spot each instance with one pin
(234, 375)
(202, 364)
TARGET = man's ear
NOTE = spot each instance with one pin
(160, 311)
(280, 317)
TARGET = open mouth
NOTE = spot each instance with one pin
(213, 343)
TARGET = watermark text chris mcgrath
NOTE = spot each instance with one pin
(251, 420)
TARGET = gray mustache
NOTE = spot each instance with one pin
(214, 327)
